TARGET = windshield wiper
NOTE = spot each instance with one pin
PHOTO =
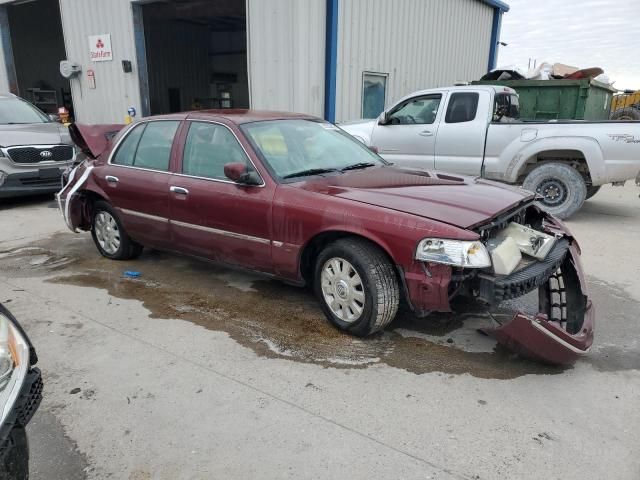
(357, 166)
(311, 171)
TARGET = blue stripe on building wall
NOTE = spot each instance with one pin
(495, 38)
(331, 61)
(7, 50)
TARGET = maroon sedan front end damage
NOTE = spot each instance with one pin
(561, 328)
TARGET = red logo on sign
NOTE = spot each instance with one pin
(99, 44)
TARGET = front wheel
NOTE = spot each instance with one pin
(110, 236)
(357, 286)
(561, 187)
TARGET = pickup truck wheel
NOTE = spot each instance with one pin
(357, 286)
(562, 188)
(591, 191)
(110, 236)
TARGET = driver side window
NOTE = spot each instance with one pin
(416, 111)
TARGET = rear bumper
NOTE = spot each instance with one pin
(619, 171)
(31, 183)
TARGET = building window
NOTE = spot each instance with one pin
(374, 93)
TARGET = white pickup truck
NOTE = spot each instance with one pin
(475, 130)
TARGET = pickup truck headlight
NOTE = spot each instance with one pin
(453, 252)
(14, 364)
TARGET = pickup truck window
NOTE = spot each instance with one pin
(462, 107)
(416, 111)
(506, 108)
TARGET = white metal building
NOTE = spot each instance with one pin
(339, 59)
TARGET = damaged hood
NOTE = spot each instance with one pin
(457, 200)
(93, 139)
(49, 133)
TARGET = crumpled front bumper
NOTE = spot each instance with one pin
(563, 327)
(546, 338)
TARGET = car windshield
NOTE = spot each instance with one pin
(16, 111)
(297, 148)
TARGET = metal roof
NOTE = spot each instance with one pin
(503, 7)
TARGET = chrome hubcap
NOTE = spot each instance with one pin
(342, 289)
(107, 232)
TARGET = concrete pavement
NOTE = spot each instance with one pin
(196, 371)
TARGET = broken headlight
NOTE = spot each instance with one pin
(453, 252)
(14, 364)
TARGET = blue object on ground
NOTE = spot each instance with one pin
(131, 273)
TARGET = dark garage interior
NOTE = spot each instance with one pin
(36, 33)
(196, 54)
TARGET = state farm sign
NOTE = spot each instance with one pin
(100, 48)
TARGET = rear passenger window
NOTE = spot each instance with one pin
(148, 145)
(127, 150)
(463, 107)
(154, 148)
(209, 147)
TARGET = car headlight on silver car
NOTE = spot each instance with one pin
(14, 364)
(460, 253)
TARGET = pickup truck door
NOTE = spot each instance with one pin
(408, 136)
(461, 134)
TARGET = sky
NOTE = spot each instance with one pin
(588, 33)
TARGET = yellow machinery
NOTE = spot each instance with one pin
(626, 105)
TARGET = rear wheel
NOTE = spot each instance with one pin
(562, 188)
(357, 286)
(110, 236)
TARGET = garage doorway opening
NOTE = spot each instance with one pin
(196, 54)
(38, 47)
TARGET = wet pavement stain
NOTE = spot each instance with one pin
(276, 320)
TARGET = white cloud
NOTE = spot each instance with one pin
(592, 33)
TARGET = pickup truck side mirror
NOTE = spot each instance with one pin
(239, 173)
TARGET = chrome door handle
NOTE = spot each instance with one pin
(426, 133)
(180, 190)
(111, 179)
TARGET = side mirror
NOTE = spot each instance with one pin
(53, 117)
(239, 173)
(383, 119)
(373, 149)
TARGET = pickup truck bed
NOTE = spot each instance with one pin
(475, 130)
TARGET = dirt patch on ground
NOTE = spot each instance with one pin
(271, 318)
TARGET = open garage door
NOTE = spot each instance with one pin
(38, 47)
(196, 52)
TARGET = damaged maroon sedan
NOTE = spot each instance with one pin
(297, 198)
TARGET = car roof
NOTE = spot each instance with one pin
(237, 116)
(7, 95)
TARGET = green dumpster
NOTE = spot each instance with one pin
(560, 99)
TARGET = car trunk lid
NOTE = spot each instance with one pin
(93, 139)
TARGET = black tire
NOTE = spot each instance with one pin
(378, 283)
(15, 463)
(591, 191)
(127, 248)
(626, 113)
(561, 185)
